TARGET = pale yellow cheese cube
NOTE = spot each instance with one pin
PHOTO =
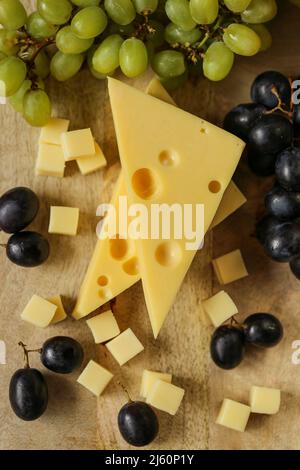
(125, 346)
(51, 133)
(149, 378)
(92, 163)
(230, 267)
(234, 415)
(165, 397)
(50, 161)
(39, 312)
(64, 220)
(60, 313)
(265, 400)
(95, 378)
(103, 327)
(77, 144)
(219, 308)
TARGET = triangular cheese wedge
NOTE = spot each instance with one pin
(156, 89)
(169, 156)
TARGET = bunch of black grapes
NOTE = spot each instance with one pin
(270, 125)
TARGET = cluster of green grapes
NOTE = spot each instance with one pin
(177, 37)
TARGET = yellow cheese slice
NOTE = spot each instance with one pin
(156, 89)
(233, 199)
(169, 156)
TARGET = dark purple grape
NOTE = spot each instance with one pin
(271, 134)
(261, 164)
(227, 347)
(62, 354)
(266, 226)
(18, 208)
(284, 243)
(263, 329)
(262, 89)
(240, 120)
(138, 424)
(287, 169)
(28, 394)
(27, 249)
(296, 116)
(295, 266)
(283, 204)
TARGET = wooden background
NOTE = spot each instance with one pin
(74, 419)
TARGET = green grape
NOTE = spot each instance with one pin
(168, 64)
(260, 11)
(241, 39)
(171, 84)
(175, 35)
(156, 35)
(150, 50)
(204, 11)
(36, 108)
(38, 28)
(178, 12)
(65, 66)
(218, 61)
(12, 74)
(42, 65)
(68, 43)
(85, 3)
(124, 30)
(264, 35)
(106, 57)
(12, 14)
(8, 42)
(16, 100)
(94, 72)
(237, 6)
(89, 22)
(133, 57)
(2, 55)
(55, 11)
(145, 7)
(120, 11)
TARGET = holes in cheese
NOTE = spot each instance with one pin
(230, 267)
(39, 312)
(95, 378)
(102, 280)
(60, 313)
(149, 378)
(168, 254)
(168, 158)
(103, 327)
(214, 186)
(165, 397)
(90, 163)
(265, 400)
(219, 308)
(63, 220)
(234, 415)
(125, 346)
(78, 143)
(50, 161)
(51, 133)
(131, 267)
(144, 183)
(118, 247)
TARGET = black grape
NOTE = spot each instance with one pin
(240, 120)
(287, 169)
(62, 354)
(266, 226)
(263, 329)
(27, 249)
(138, 423)
(271, 134)
(261, 90)
(227, 347)
(281, 245)
(285, 205)
(261, 164)
(18, 208)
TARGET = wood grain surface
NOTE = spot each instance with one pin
(74, 419)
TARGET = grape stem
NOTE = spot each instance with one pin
(26, 353)
(124, 390)
(3, 245)
(280, 105)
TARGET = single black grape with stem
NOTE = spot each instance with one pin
(62, 354)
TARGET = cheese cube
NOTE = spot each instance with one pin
(125, 346)
(63, 220)
(165, 397)
(51, 133)
(230, 267)
(39, 312)
(234, 415)
(219, 308)
(149, 378)
(60, 313)
(95, 378)
(77, 144)
(50, 161)
(264, 400)
(103, 327)
(93, 163)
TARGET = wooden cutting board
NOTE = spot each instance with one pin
(74, 420)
